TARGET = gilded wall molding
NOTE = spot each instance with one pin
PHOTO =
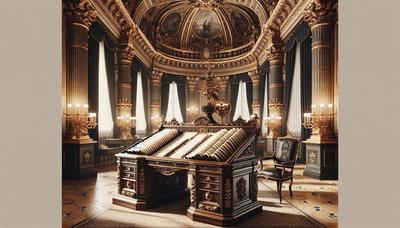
(105, 17)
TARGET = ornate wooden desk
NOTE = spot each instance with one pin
(221, 192)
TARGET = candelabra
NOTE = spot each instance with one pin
(273, 123)
(125, 124)
(78, 121)
(222, 108)
(320, 121)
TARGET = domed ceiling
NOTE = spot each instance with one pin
(200, 29)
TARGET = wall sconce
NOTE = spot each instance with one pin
(79, 121)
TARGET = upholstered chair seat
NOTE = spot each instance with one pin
(284, 160)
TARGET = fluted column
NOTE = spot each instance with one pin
(78, 147)
(79, 16)
(255, 79)
(124, 100)
(192, 109)
(155, 99)
(223, 87)
(275, 80)
(321, 16)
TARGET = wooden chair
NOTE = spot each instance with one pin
(284, 160)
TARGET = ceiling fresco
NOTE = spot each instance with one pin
(186, 29)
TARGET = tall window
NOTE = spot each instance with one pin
(141, 124)
(294, 115)
(242, 108)
(264, 129)
(105, 117)
(174, 109)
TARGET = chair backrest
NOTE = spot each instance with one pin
(286, 149)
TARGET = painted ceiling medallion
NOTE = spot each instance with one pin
(206, 24)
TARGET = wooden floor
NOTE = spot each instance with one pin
(85, 198)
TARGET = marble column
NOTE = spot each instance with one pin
(155, 99)
(124, 95)
(275, 80)
(78, 148)
(223, 82)
(322, 147)
(192, 109)
(256, 81)
(79, 15)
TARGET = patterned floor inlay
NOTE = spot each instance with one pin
(82, 199)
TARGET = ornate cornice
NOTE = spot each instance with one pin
(294, 18)
(321, 12)
(106, 18)
(81, 12)
(135, 39)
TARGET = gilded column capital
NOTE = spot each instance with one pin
(223, 80)
(255, 76)
(126, 53)
(275, 50)
(192, 82)
(79, 11)
(275, 53)
(155, 77)
(320, 12)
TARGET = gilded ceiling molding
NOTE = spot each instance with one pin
(111, 26)
(147, 54)
(81, 12)
(294, 18)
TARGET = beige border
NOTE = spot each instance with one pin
(30, 107)
(369, 99)
(30, 113)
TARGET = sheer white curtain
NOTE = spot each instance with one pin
(141, 125)
(105, 116)
(174, 108)
(264, 129)
(242, 108)
(294, 115)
